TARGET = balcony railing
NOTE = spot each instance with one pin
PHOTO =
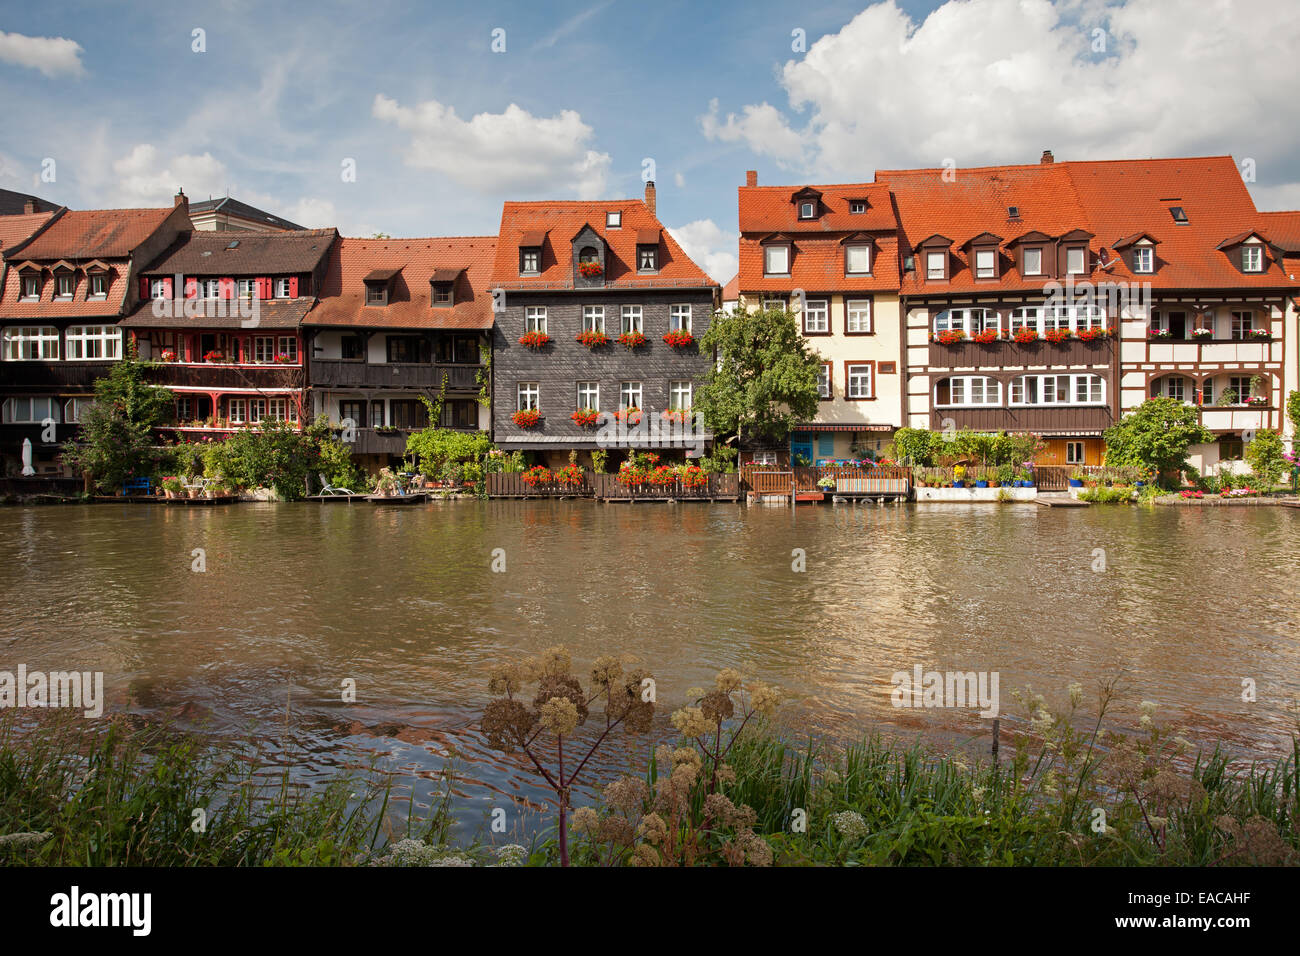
(336, 373)
(1009, 354)
(1084, 419)
(217, 375)
(53, 374)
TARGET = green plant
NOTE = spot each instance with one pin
(1265, 456)
(1156, 435)
(435, 448)
(599, 460)
(913, 446)
(1227, 397)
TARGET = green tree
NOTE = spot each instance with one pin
(915, 446)
(765, 379)
(1293, 410)
(1155, 435)
(439, 447)
(1264, 454)
(278, 455)
(116, 440)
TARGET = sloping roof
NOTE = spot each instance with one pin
(768, 209)
(563, 220)
(12, 203)
(234, 207)
(14, 229)
(1282, 229)
(342, 300)
(731, 290)
(272, 314)
(253, 254)
(96, 234)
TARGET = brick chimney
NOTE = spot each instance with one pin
(181, 199)
(650, 196)
(1047, 157)
(751, 177)
(31, 206)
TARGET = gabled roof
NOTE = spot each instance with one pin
(1134, 238)
(731, 290)
(13, 203)
(14, 229)
(1283, 229)
(271, 314)
(412, 264)
(233, 254)
(233, 207)
(545, 223)
(96, 234)
(771, 209)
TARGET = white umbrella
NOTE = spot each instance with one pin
(27, 458)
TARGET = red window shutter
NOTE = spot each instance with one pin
(191, 288)
(293, 287)
(268, 288)
(227, 288)
(167, 288)
(144, 288)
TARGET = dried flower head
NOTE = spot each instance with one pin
(507, 724)
(559, 716)
(728, 680)
(554, 661)
(585, 820)
(717, 706)
(765, 699)
(606, 670)
(691, 722)
(626, 794)
(652, 829)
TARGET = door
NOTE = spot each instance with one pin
(801, 444)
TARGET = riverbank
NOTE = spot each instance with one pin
(73, 793)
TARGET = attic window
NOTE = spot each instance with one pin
(647, 258)
(1252, 259)
(858, 206)
(1144, 259)
(1013, 212)
(614, 219)
(31, 285)
(1179, 214)
(233, 244)
(807, 210)
(376, 293)
(530, 260)
(442, 293)
(936, 265)
(986, 264)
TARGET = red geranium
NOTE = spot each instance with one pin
(676, 415)
(987, 337)
(570, 476)
(591, 339)
(631, 340)
(1091, 335)
(1056, 336)
(630, 415)
(526, 417)
(534, 340)
(585, 417)
(589, 270)
(678, 338)
(1025, 335)
(538, 475)
(693, 476)
(950, 336)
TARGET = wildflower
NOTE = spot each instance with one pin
(585, 820)
(645, 855)
(559, 716)
(1076, 694)
(728, 680)
(1149, 708)
(1042, 722)
(555, 661)
(849, 824)
(652, 829)
(765, 699)
(717, 706)
(627, 793)
(754, 847)
(606, 670)
(977, 794)
(512, 854)
(691, 722)
(726, 773)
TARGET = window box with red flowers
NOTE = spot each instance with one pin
(538, 475)
(681, 415)
(214, 356)
(986, 337)
(1057, 336)
(1025, 336)
(631, 340)
(168, 355)
(1258, 334)
(630, 415)
(679, 338)
(1091, 335)
(1202, 334)
(570, 476)
(1256, 400)
(534, 340)
(592, 339)
(590, 270)
(527, 418)
(950, 337)
(586, 417)
(1158, 333)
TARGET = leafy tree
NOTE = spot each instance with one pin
(1155, 435)
(439, 447)
(116, 440)
(914, 446)
(1265, 457)
(1293, 411)
(765, 380)
(277, 455)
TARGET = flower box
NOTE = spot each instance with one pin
(682, 415)
(586, 417)
(1202, 335)
(1258, 334)
(1057, 336)
(534, 340)
(630, 415)
(1090, 335)
(1158, 333)
(987, 337)
(950, 337)
(527, 418)
(631, 340)
(590, 270)
(570, 476)
(214, 356)
(168, 355)
(679, 338)
(1025, 336)
(592, 339)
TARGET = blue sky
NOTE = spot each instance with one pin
(441, 128)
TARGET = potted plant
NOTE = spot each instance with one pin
(527, 417)
(590, 270)
(538, 475)
(1025, 336)
(630, 415)
(959, 476)
(631, 340)
(679, 338)
(981, 478)
(1007, 476)
(592, 338)
(1076, 478)
(534, 339)
(986, 337)
(950, 336)
(826, 483)
(1202, 334)
(172, 487)
(168, 355)
(1057, 336)
(585, 417)
(1158, 333)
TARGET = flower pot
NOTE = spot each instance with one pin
(1075, 483)
(981, 484)
(959, 483)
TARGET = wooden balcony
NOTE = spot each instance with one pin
(53, 374)
(220, 375)
(1092, 419)
(335, 373)
(1007, 354)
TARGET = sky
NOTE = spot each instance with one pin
(419, 119)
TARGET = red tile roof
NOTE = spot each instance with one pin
(1113, 199)
(522, 223)
(14, 229)
(732, 289)
(96, 234)
(772, 209)
(1282, 229)
(343, 291)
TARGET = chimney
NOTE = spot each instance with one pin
(181, 199)
(751, 177)
(1047, 157)
(31, 206)
(650, 196)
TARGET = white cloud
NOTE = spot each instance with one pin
(512, 152)
(50, 55)
(144, 179)
(679, 180)
(710, 247)
(997, 81)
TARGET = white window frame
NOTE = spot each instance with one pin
(589, 396)
(630, 395)
(855, 312)
(528, 395)
(855, 375)
(27, 278)
(774, 305)
(51, 409)
(816, 316)
(94, 279)
(104, 340)
(1037, 270)
(61, 277)
(209, 288)
(936, 265)
(807, 210)
(1071, 252)
(1252, 258)
(264, 348)
(247, 288)
(1144, 259)
(157, 288)
(237, 410)
(613, 219)
(73, 409)
(43, 340)
(1074, 453)
(679, 318)
(986, 264)
(857, 207)
(535, 319)
(1064, 389)
(826, 381)
(1240, 322)
(632, 318)
(676, 391)
(964, 386)
(864, 251)
(770, 253)
(530, 261)
(593, 318)
(288, 345)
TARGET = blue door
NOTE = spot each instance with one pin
(800, 444)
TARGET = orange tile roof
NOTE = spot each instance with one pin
(343, 291)
(14, 229)
(561, 221)
(732, 289)
(1113, 199)
(1282, 229)
(95, 234)
(772, 209)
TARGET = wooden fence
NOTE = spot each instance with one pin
(512, 485)
(884, 480)
(610, 488)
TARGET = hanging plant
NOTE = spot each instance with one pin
(592, 339)
(527, 418)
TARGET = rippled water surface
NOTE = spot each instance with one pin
(298, 598)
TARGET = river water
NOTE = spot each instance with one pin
(1181, 604)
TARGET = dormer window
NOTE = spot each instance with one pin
(613, 219)
(986, 264)
(97, 287)
(776, 260)
(530, 260)
(807, 210)
(31, 285)
(442, 293)
(376, 294)
(283, 289)
(1076, 261)
(1144, 259)
(647, 258)
(857, 207)
(936, 265)
(64, 285)
(1032, 261)
(248, 288)
(1252, 259)
(158, 288)
(857, 259)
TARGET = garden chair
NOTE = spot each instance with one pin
(328, 489)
